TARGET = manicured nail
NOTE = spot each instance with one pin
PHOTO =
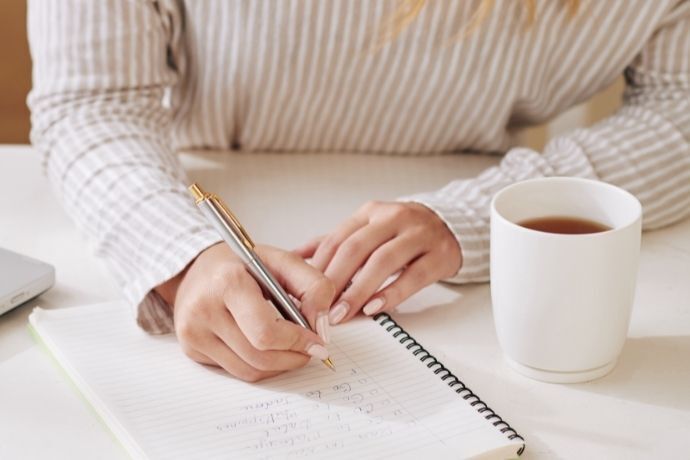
(322, 327)
(318, 351)
(373, 307)
(339, 312)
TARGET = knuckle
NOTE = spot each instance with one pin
(287, 257)
(298, 341)
(398, 211)
(263, 338)
(300, 362)
(421, 234)
(187, 330)
(326, 286)
(380, 260)
(351, 248)
(203, 314)
(370, 206)
(320, 292)
(418, 277)
(262, 361)
(328, 245)
(231, 273)
(393, 296)
(248, 374)
(321, 284)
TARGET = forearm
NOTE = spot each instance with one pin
(99, 121)
(125, 190)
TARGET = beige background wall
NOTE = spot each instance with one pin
(15, 81)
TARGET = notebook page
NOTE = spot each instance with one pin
(381, 402)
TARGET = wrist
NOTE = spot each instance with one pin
(449, 242)
(168, 289)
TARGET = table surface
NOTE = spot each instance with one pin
(640, 410)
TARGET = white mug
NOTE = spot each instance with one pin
(562, 302)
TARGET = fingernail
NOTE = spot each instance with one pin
(318, 351)
(338, 312)
(373, 307)
(322, 327)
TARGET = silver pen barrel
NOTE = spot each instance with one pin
(261, 274)
(280, 298)
(223, 227)
(241, 243)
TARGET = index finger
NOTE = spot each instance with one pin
(259, 322)
(329, 244)
(304, 282)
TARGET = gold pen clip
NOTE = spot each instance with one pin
(243, 233)
(199, 196)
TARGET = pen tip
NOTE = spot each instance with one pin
(329, 364)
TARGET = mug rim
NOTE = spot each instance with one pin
(589, 182)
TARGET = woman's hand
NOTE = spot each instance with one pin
(222, 318)
(383, 239)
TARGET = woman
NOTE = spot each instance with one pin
(120, 85)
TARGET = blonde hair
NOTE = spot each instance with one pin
(410, 9)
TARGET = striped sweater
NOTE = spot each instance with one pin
(119, 86)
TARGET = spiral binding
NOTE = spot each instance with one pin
(446, 375)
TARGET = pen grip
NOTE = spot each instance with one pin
(279, 297)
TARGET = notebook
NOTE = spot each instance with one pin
(388, 398)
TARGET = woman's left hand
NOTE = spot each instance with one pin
(380, 240)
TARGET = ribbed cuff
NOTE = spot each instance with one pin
(163, 234)
(153, 314)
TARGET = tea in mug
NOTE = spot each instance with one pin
(565, 225)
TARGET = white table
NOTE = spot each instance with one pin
(640, 410)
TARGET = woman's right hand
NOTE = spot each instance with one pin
(222, 318)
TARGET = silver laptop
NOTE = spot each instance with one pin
(21, 279)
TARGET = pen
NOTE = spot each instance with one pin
(240, 242)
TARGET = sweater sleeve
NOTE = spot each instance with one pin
(643, 148)
(100, 73)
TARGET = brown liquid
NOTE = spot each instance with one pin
(566, 225)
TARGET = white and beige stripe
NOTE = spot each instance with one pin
(119, 86)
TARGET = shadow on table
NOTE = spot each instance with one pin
(651, 370)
